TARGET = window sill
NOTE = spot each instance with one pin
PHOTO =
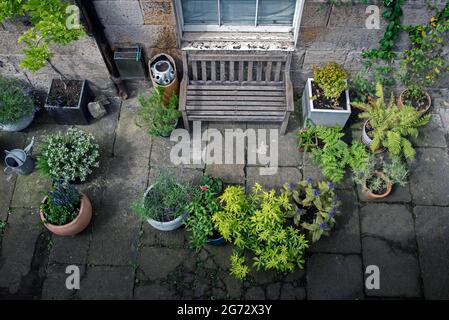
(238, 41)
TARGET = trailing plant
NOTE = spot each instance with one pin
(15, 104)
(315, 206)
(426, 61)
(332, 79)
(68, 157)
(256, 222)
(335, 155)
(391, 125)
(160, 119)
(166, 200)
(52, 22)
(62, 204)
(201, 209)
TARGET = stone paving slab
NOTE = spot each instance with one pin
(398, 195)
(332, 276)
(157, 263)
(71, 250)
(432, 233)
(229, 173)
(30, 191)
(431, 135)
(283, 175)
(429, 175)
(54, 286)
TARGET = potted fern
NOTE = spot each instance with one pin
(159, 118)
(326, 96)
(388, 126)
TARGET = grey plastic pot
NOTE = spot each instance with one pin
(365, 138)
(323, 117)
(19, 125)
(167, 225)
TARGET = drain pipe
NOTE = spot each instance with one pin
(96, 29)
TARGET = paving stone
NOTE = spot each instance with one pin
(273, 291)
(398, 194)
(255, 293)
(173, 239)
(233, 286)
(432, 233)
(111, 283)
(54, 286)
(71, 250)
(319, 57)
(283, 175)
(429, 174)
(229, 173)
(315, 15)
(119, 12)
(158, 263)
(431, 135)
(345, 238)
(351, 16)
(119, 249)
(183, 175)
(332, 276)
(18, 246)
(291, 292)
(221, 255)
(30, 190)
(154, 291)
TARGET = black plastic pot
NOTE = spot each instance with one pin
(71, 115)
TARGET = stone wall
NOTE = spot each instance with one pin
(79, 60)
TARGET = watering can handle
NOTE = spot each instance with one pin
(8, 170)
(29, 148)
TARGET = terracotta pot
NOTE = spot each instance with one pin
(370, 195)
(80, 223)
(429, 101)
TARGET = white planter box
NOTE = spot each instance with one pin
(323, 117)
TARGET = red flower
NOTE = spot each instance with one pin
(204, 188)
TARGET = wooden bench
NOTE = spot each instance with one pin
(236, 87)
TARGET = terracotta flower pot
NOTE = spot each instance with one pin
(429, 101)
(80, 223)
(372, 196)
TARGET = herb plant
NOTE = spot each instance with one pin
(157, 117)
(256, 222)
(315, 206)
(307, 138)
(15, 104)
(68, 157)
(201, 210)
(332, 79)
(62, 205)
(392, 125)
(166, 200)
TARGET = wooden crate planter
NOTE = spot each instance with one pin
(324, 117)
(236, 87)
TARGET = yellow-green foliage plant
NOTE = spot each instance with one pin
(332, 79)
(256, 222)
(392, 125)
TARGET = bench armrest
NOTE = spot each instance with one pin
(289, 92)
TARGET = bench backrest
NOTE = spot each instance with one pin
(241, 69)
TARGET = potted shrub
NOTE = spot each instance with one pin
(426, 61)
(70, 157)
(159, 118)
(376, 179)
(257, 223)
(165, 203)
(16, 107)
(388, 126)
(326, 97)
(65, 211)
(315, 207)
(199, 221)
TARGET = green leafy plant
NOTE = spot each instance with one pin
(332, 79)
(360, 88)
(157, 117)
(49, 25)
(199, 222)
(62, 204)
(166, 200)
(256, 222)
(15, 104)
(375, 176)
(426, 61)
(307, 138)
(390, 125)
(315, 206)
(334, 155)
(68, 156)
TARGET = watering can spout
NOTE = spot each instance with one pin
(29, 148)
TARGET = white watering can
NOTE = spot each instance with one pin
(20, 161)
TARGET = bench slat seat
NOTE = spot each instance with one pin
(236, 88)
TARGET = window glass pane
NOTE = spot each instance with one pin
(276, 12)
(200, 11)
(238, 12)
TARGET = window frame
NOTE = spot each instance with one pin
(294, 28)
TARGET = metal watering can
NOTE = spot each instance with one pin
(20, 161)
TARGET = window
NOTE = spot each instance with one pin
(239, 15)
